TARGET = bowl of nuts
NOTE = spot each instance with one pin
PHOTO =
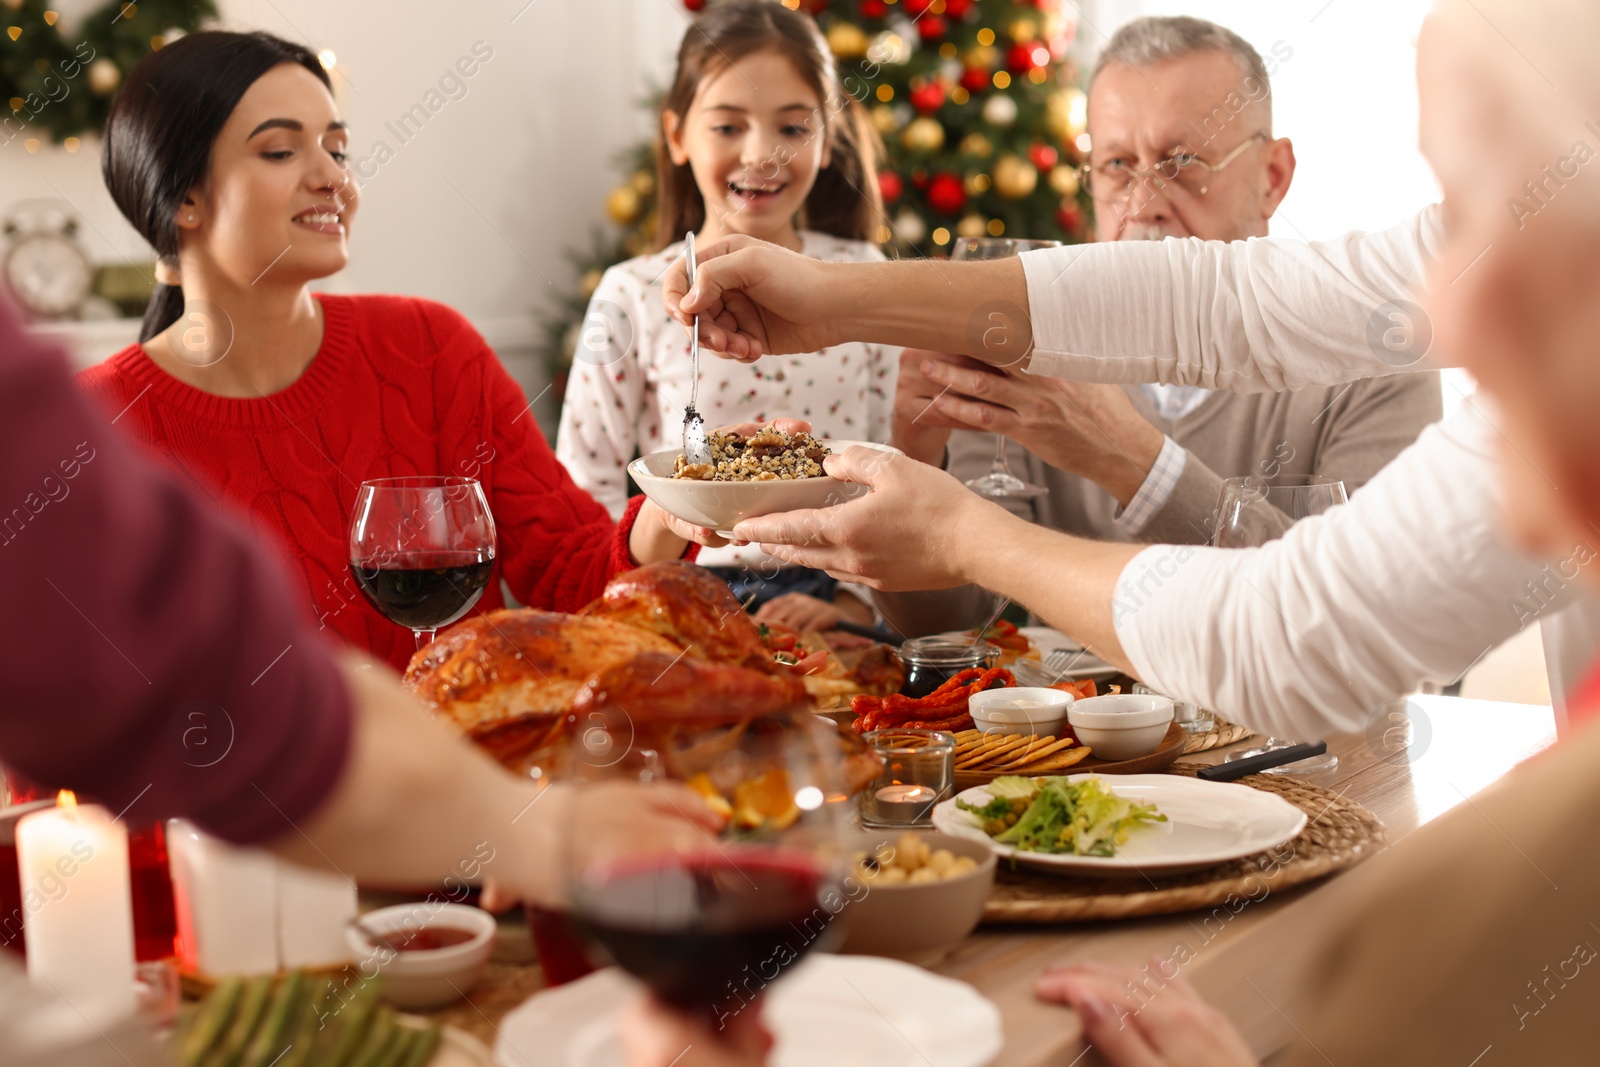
(924, 892)
(769, 472)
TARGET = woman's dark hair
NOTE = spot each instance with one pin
(845, 200)
(162, 126)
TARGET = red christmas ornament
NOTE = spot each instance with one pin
(1043, 156)
(957, 9)
(928, 97)
(945, 194)
(915, 8)
(695, 5)
(890, 185)
(873, 9)
(931, 27)
(1020, 59)
(975, 80)
(1071, 219)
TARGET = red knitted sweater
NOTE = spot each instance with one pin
(400, 386)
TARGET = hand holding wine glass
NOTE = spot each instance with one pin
(422, 549)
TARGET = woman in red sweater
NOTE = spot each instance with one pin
(282, 401)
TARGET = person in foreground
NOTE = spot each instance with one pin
(1146, 463)
(1413, 581)
(281, 401)
(139, 614)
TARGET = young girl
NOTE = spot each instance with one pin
(757, 138)
(226, 151)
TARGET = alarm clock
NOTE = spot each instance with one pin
(45, 268)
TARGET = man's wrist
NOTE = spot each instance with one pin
(1133, 456)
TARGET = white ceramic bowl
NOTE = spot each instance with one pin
(1121, 726)
(1022, 709)
(426, 978)
(720, 505)
(914, 920)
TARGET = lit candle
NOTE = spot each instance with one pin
(905, 803)
(78, 907)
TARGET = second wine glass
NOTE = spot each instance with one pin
(422, 549)
(999, 481)
(1252, 511)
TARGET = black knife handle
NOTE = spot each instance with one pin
(1227, 772)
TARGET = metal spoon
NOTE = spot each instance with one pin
(696, 445)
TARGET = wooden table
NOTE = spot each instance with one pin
(1408, 770)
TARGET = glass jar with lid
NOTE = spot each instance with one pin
(932, 661)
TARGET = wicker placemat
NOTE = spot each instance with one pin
(1339, 833)
(1223, 733)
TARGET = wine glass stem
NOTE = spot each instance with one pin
(424, 638)
(1000, 465)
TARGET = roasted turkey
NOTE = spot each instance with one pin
(666, 661)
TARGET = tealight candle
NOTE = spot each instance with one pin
(78, 906)
(917, 774)
(904, 803)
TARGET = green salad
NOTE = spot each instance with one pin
(1081, 818)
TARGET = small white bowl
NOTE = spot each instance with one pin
(916, 921)
(426, 978)
(720, 505)
(1121, 726)
(1022, 709)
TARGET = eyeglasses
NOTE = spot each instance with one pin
(1182, 172)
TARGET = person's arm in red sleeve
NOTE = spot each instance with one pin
(559, 546)
(154, 662)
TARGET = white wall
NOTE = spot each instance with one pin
(478, 209)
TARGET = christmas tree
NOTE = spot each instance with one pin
(982, 121)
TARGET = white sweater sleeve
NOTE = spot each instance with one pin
(1265, 314)
(1413, 580)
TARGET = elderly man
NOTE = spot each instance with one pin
(1180, 113)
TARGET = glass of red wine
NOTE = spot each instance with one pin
(422, 549)
(708, 920)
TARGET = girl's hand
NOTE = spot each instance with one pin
(1169, 1027)
(801, 611)
(659, 535)
(885, 539)
(654, 1035)
(755, 299)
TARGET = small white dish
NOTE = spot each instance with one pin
(721, 505)
(1121, 726)
(420, 979)
(826, 1010)
(1021, 710)
(1207, 823)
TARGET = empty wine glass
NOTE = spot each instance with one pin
(999, 481)
(1252, 511)
(422, 549)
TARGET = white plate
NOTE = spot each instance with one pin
(1047, 640)
(1207, 823)
(720, 505)
(827, 1010)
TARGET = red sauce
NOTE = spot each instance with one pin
(426, 939)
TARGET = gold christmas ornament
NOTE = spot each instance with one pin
(972, 226)
(983, 57)
(642, 182)
(1023, 31)
(976, 184)
(1064, 180)
(622, 206)
(104, 77)
(976, 144)
(14, 5)
(884, 118)
(923, 135)
(1015, 177)
(1000, 109)
(846, 40)
(590, 282)
(889, 48)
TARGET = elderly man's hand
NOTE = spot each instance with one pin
(920, 429)
(1171, 1027)
(1084, 429)
(885, 539)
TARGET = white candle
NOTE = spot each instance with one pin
(905, 803)
(78, 906)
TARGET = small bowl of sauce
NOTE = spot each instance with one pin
(429, 952)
